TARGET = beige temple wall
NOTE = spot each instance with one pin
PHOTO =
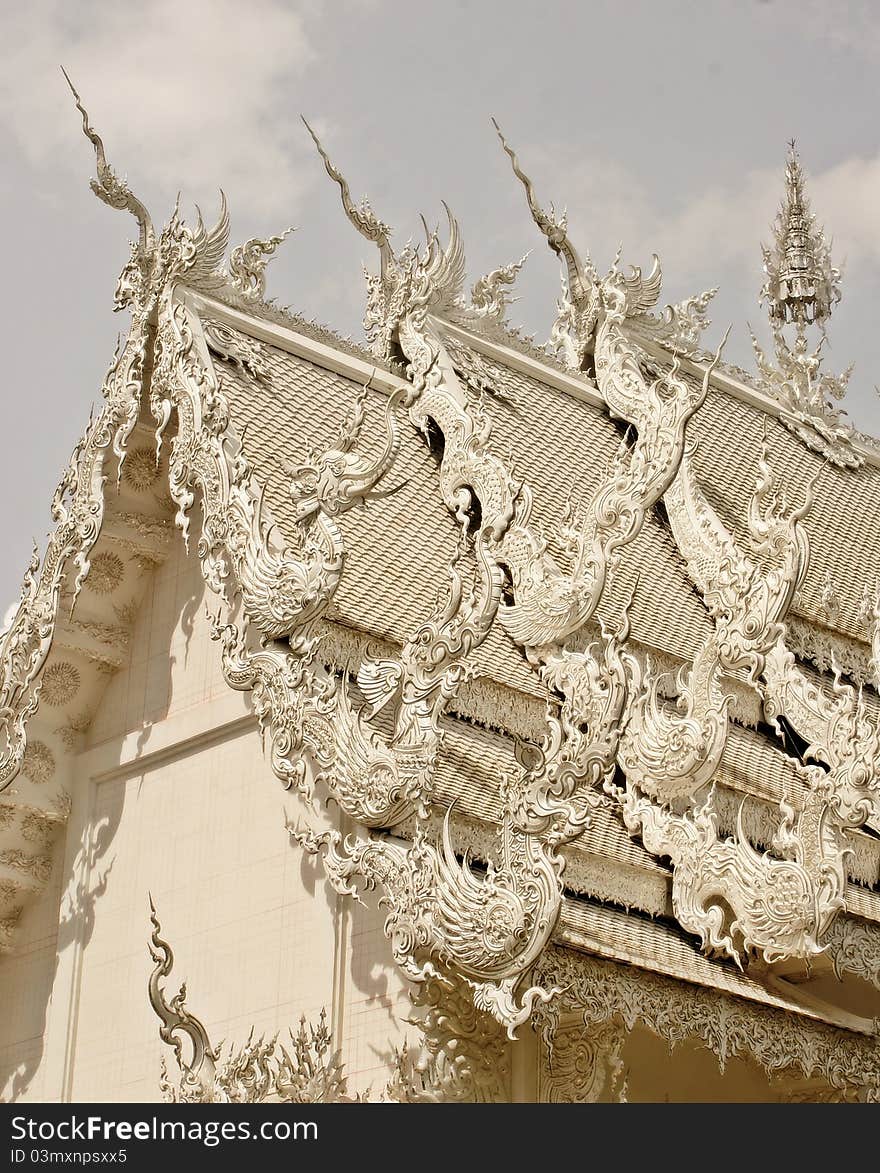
(173, 797)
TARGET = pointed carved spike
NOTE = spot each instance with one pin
(810, 495)
(108, 187)
(364, 219)
(554, 229)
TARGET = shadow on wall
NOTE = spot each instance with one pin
(64, 916)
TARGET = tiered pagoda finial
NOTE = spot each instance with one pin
(800, 290)
(802, 285)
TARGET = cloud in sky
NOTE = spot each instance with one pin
(168, 83)
(710, 231)
(659, 125)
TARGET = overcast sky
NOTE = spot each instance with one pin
(661, 125)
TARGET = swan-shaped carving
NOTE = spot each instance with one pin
(490, 927)
(377, 782)
(671, 753)
(737, 899)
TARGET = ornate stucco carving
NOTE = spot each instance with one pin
(247, 265)
(281, 589)
(462, 1055)
(52, 586)
(490, 296)
(302, 1071)
(575, 761)
(670, 753)
(233, 347)
(800, 289)
(782, 904)
(667, 755)
(825, 648)
(283, 592)
(487, 928)
(78, 503)
(548, 600)
(738, 899)
(378, 781)
(854, 947)
(446, 920)
(602, 991)
(582, 1065)
(585, 295)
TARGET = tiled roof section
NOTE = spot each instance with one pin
(398, 549)
(663, 948)
(843, 525)
(561, 445)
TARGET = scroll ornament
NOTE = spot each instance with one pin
(247, 265)
(368, 780)
(461, 1054)
(783, 903)
(548, 603)
(584, 1066)
(780, 906)
(303, 1071)
(282, 593)
(379, 782)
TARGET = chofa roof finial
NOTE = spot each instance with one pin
(361, 215)
(554, 228)
(108, 187)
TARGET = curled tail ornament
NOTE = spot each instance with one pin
(490, 927)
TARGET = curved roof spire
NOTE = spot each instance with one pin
(108, 186)
(802, 285)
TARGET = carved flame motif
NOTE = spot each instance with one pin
(585, 295)
(461, 1054)
(550, 604)
(291, 696)
(263, 1071)
(782, 906)
(330, 482)
(489, 296)
(247, 265)
(490, 929)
